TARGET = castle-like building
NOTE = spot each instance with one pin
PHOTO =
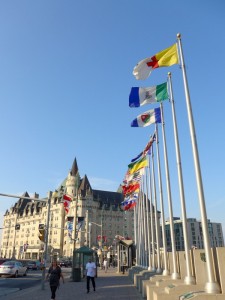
(96, 213)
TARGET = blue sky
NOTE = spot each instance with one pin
(65, 78)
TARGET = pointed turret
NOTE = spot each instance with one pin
(85, 187)
(74, 168)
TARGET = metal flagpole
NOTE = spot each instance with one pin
(141, 229)
(138, 231)
(145, 225)
(175, 274)
(135, 232)
(46, 240)
(148, 225)
(152, 222)
(165, 271)
(189, 279)
(158, 270)
(211, 286)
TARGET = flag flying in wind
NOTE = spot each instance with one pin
(140, 96)
(66, 202)
(165, 58)
(146, 149)
(134, 167)
(147, 118)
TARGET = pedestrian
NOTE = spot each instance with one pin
(105, 264)
(91, 274)
(54, 274)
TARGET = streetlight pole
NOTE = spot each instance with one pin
(89, 235)
(46, 240)
(100, 246)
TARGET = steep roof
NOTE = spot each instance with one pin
(74, 168)
(85, 187)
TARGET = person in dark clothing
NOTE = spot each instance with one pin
(91, 273)
(54, 274)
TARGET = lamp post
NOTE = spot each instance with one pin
(100, 245)
(89, 238)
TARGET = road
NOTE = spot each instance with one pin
(33, 278)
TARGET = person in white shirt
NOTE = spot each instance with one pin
(105, 264)
(91, 273)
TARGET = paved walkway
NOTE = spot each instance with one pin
(110, 285)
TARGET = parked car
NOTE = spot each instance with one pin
(65, 263)
(13, 268)
(2, 260)
(34, 265)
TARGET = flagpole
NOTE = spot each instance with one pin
(135, 232)
(138, 231)
(148, 225)
(142, 231)
(158, 270)
(145, 222)
(165, 271)
(175, 274)
(153, 269)
(189, 279)
(211, 286)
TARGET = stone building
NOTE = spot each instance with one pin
(21, 234)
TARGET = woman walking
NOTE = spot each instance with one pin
(54, 274)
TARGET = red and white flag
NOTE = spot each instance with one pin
(66, 202)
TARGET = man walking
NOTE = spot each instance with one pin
(91, 273)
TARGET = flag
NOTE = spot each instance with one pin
(131, 188)
(147, 118)
(80, 223)
(148, 146)
(134, 167)
(66, 202)
(140, 96)
(146, 149)
(137, 175)
(165, 58)
(129, 203)
(70, 226)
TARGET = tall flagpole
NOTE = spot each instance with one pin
(148, 225)
(158, 270)
(153, 269)
(189, 279)
(175, 274)
(211, 286)
(145, 225)
(165, 271)
(138, 231)
(135, 232)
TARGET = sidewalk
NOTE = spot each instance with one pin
(110, 285)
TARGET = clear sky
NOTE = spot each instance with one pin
(65, 78)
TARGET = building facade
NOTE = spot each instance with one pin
(103, 220)
(195, 235)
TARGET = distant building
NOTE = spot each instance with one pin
(195, 235)
(21, 236)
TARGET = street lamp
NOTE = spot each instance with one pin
(100, 245)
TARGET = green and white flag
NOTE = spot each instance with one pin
(140, 96)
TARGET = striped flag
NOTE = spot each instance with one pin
(140, 96)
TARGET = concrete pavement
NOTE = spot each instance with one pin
(110, 285)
